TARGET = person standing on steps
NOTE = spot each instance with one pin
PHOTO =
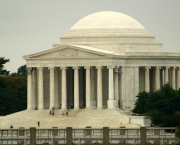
(60, 105)
(38, 124)
(67, 113)
(53, 108)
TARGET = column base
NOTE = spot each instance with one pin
(88, 108)
(93, 103)
(112, 104)
(40, 108)
(76, 108)
(99, 108)
(63, 108)
(29, 109)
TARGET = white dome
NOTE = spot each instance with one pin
(111, 31)
(107, 19)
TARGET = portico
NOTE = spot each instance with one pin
(76, 97)
(104, 58)
(110, 100)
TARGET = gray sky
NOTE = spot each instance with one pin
(30, 26)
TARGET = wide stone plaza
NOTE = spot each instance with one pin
(76, 118)
(101, 63)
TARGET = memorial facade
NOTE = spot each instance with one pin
(105, 58)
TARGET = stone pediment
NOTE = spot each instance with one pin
(69, 52)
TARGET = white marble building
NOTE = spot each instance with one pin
(103, 58)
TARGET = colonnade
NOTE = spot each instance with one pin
(116, 86)
(169, 75)
(113, 91)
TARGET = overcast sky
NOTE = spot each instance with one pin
(30, 26)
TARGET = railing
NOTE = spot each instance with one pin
(104, 135)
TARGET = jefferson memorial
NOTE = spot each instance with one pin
(103, 61)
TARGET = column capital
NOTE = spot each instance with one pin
(167, 67)
(75, 67)
(29, 69)
(87, 67)
(174, 67)
(147, 67)
(116, 69)
(97, 67)
(63, 67)
(158, 67)
(51, 68)
(110, 67)
(40, 68)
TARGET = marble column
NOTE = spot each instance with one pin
(170, 76)
(93, 87)
(88, 87)
(158, 77)
(136, 73)
(123, 87)
(52, 97)
(34, 87)
(111, 84)
(111, 102)
(163, 81)
(29, 84)
(147, 83)
(116, 83)
(120, 84)
(76, 87)
(173, 78)
(56, 88)
(166, 80)
(64, 90)
(178, 78)
(99, 87)
(40, 91)
(161, 77)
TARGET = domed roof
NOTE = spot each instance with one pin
(107, 19)
(111, 31)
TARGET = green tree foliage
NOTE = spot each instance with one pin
(165, 100)
(13, 94)
(141, 102)
(13, 91)
(20, 72)
(2, 62)
(157, 117)
(161, 105)
(162, 119)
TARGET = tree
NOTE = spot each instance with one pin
(2, 62)
(165, 100)
(13, 94)
(13, 90)
(141, 102)
(21, 71)
(161, 105)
